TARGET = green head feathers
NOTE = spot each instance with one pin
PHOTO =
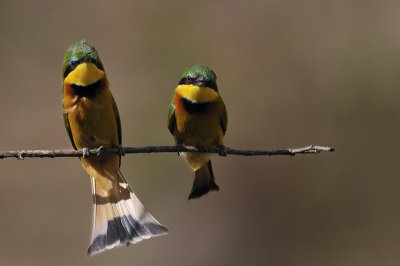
(200, 76)
(78, 53)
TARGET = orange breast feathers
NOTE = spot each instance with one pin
(201, 128)
(93, 121)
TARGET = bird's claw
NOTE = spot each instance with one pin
(179, 148)
(121, 150)
(223, 150)
(85, 152)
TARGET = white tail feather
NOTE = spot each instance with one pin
(122, 222)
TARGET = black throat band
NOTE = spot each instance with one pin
(88, 91)
(195, 107)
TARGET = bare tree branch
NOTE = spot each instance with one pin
(223, 151)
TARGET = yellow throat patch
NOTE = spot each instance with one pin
(84, 74)
(196, 93)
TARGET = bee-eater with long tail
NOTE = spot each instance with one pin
(92, 120)
(198, 117)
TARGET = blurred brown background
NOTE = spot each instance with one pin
(292, 73)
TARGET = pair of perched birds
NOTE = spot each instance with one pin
(197, 117)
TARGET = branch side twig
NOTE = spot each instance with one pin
(22, 154)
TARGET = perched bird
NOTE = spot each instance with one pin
(92, 120)
(198, 117)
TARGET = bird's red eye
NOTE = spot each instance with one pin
(74, 64)
(189, 78)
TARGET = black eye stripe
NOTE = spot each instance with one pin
(199, 81)
(73, 64)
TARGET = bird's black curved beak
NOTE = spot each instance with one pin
(87, 57)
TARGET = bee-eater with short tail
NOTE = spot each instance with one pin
(198, 117)
(92, 120)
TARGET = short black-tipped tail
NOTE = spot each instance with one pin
(120, 219)
(204, 181)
